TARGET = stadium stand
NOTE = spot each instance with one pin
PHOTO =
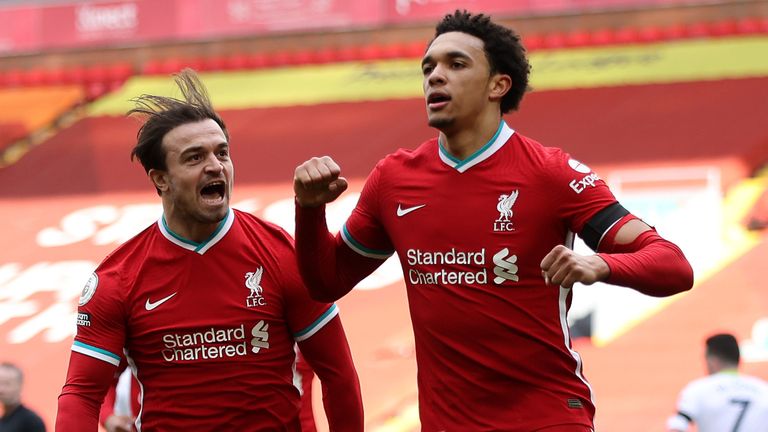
(640, 89)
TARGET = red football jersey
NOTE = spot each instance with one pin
(208, 328)
(492, 340)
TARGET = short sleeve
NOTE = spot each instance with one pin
(101, 318)
(363, 231)
(580, 192)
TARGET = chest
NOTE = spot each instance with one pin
(481, 208)
(211, 300)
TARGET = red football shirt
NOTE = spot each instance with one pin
(208, 328)
(492, 340)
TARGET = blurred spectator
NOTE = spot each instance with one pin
(725, 400)
(16, 417)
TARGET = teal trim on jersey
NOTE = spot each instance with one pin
(478, 152)
(314, 324)
(215, 232)
(357, 245)
(197, 246)
(176, 236)
(98, 350)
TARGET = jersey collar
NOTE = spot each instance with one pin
(502, 135)
(200, 248)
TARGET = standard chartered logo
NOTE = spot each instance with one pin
(448, 275)
(260, 337)
(213, 343)
(453, 267)
(505, 268)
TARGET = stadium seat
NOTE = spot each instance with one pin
(603, 37)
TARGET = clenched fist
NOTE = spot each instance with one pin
(564, 267)
(316, 182)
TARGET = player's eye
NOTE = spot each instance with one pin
(427, 69)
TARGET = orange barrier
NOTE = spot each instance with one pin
(36, 107)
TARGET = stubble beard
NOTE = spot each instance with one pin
(440, 122)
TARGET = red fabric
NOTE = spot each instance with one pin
(650, 264)
(306, 415)
(341, 387)
(329, 268)
(88, 380)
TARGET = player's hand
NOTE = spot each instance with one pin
(564, 267)
(116, 423)
(317, 182)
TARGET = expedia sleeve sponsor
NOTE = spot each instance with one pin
(586, 181)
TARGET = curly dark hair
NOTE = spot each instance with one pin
(503, 49)
(162, 114)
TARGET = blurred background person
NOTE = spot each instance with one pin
(725, 400)
(16, 417)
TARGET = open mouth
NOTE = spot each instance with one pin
(438, 100)
(213, 192)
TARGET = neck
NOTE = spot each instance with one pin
(463, 142)
(186, 227)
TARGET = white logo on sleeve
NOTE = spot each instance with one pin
(578, 166)
(260, 333)
(253, 283)
(152, 305)
(404, 211)
(505, 268)
(89, 289)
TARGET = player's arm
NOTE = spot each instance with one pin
(328, 266)
(88, 380)
(108, 419)
(631, 254)
(327, 351)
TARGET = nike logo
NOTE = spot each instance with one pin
(149, 305)
(404, 211)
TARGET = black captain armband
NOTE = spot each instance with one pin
(600, 223)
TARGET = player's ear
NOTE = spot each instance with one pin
(159, 179)
(499, 85)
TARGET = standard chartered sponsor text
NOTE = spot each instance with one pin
(205, 345)
(417, 276)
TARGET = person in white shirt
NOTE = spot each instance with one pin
(726, 400)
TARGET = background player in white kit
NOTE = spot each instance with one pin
(724, 401)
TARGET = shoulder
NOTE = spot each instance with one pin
(266, 231)
(130, 254)
(405, 158)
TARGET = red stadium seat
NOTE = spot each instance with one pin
(699, 29)
(533, 42)
(325, 55)
(554, 40)
(152, 67)
(74, 75)
(348, 53)
(725, 27)
(651, 34)
(603, 37)
(627, 35)
(33, 77)
(415, 49)
(236, 62)
(578, 38)
(674, 32)
(256, 61)
(96, 74)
